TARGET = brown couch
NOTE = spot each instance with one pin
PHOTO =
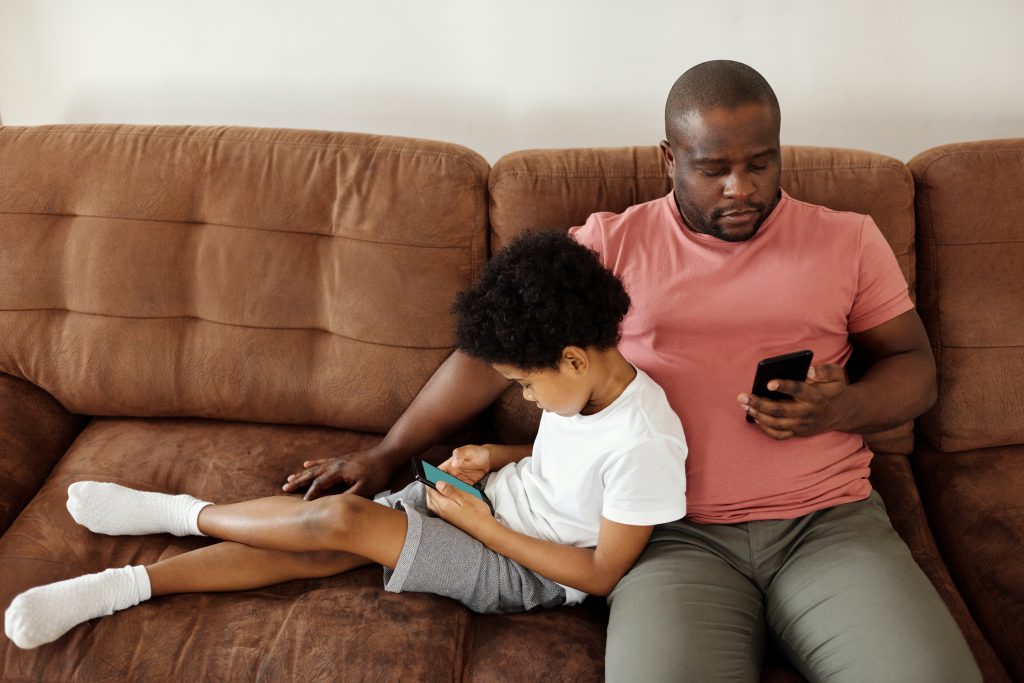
(201, 309)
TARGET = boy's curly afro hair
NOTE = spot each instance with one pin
(541, 293)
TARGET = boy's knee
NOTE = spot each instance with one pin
(338, 517)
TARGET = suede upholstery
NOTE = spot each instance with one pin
(201, 309)
(970, 199)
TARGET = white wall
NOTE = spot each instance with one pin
(891, 76)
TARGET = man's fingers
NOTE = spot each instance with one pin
(777, 434)
(317, 488)
(827, 372)
(298, 480)
(766, 406)
(789, 425)
(797, 390)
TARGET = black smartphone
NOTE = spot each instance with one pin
(429, 475)
(793, 366)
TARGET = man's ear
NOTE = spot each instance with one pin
(576, 359)
(668, 156)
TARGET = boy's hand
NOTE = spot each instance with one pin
(460, 509)
(468, 463)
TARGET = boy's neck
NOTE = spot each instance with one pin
(612, 374)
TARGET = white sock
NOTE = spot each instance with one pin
(44, 614)
(119, 511)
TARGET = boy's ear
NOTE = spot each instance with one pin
(575, 359)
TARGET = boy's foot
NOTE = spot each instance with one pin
(44, 614)
(119, 511)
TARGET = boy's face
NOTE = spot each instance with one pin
(563, 391)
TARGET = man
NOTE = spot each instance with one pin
(783, 536)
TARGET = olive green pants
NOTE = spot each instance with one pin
(836, 590)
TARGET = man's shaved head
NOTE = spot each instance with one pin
(722, 149)
(717, 84)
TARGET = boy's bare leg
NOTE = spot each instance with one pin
(232, 566)
(343, 522)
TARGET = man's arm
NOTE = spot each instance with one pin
(591, 570)
(460, 389)
(899, 385)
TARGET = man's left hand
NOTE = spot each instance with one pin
(817, 405)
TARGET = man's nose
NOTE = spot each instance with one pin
(738, 185)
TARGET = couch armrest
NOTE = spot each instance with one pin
(35, 431)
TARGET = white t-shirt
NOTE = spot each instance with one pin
(625, 463)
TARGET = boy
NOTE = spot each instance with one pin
(571, 515)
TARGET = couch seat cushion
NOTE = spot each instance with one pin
(303, 630)
(975, 502)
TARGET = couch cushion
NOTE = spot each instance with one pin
(302, 630)
(310, 630)
(246, 274)
(970, 199)
(975, 503)
(34, 433)
(893, 477)
(560, 188)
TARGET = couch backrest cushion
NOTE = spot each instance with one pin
(249, 274)
(560, 188)
(970, 218)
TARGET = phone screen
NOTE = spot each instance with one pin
(431, 475)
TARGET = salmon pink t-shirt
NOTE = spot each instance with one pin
(705, 311)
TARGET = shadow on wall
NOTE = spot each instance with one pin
(491, 128)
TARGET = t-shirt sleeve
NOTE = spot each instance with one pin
(646, 485)
(882, 292)
(592, 236)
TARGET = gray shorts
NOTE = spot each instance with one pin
(442, 559)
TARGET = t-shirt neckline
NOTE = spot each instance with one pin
(711, 240)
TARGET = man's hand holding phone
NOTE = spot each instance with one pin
(817, 403)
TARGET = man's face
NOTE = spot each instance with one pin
(725, 166)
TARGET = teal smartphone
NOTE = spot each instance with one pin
(429, 475)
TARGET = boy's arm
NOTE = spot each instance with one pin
(591, 570)
(502, 454)
(471, 463)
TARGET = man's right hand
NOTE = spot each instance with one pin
(363, 472)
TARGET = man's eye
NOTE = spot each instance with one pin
(712, 173)
(757, 167)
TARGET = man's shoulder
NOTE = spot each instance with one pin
(813, 215)
(637, 214)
